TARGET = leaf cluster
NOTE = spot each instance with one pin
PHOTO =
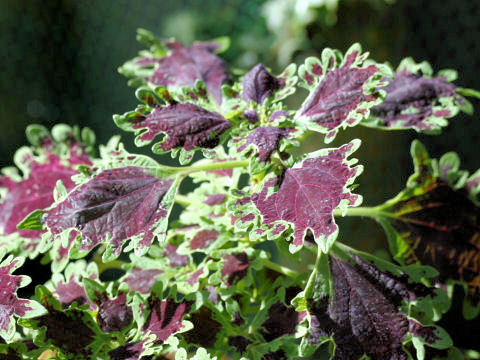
(213, 281)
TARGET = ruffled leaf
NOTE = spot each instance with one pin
(173, 64)
(416, 100)
(10, 305)
(165, 317)
(361, 313)
(116, 205)
(436, 221)
(52, 159)
(185, 126)
(261, 143)
(340, 96)
(305, 196)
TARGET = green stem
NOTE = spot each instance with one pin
(213, 166)
(182, 200)
(279, 268)
(310, 283)
(372, 212)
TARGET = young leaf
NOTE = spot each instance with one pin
(435, 221)
(305, 196)
(264, 141)
(340, 96)
(10, 305)
(259, 84)
(416, 100)
(116, 205)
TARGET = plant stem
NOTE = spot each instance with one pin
(279, 268)
(213, 166)
(182, 200)
(371, 212)
(309, 287)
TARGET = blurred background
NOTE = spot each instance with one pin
(59, 59)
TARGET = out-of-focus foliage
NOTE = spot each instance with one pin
(288, 20)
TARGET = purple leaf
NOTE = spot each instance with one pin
(363, 314)
(307, 194)
(193, 279)
(35, 192)
(10, 304)
(266, 140)
(67, 331)
(113, 314)
(215, 199)
(203, 239)
(116, 205)
(129, 351)
(363, 320)
(235, 267)
(240, 343)
(409, 91)
(72, 291)
(251, 115)
(142, 280)
(282, 320)
(205, 328)
(165, 317)
(184, 125)
(185, 65)
(259, 84)
(341, 98)
(72, 331)
(175, 258)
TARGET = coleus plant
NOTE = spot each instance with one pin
(208, 281)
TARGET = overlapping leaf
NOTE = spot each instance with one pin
(71, 332)
(10, 305)
(116, 205)
(342, 90)
(304, 197)
(68, 288)
(436, 221)
(417, 100)
(361, 313)
(113, 312)
(185, 127)
(50, 159)
(173, 64)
